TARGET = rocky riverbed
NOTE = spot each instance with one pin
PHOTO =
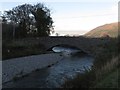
(54, 75)
(18, 67)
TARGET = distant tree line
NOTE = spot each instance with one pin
(27, 21)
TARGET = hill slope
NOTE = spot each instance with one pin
(110, 30)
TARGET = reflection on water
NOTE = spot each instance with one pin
(55, 75)
(64, 49)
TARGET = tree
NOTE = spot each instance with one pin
(43, 19)
(57, 34)
(28, 19)
(7, 29)
(20, 16)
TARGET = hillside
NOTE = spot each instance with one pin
(110, 30)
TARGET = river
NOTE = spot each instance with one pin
(55, 75)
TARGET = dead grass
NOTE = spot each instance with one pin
(108, 67)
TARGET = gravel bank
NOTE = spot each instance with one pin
(18, 67)
(54, 75)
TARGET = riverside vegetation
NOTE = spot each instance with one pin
(104, 73)
(21, 22)
(20, 48)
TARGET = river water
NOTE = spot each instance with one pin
(55, 75)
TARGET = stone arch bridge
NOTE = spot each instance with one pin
(86, 44)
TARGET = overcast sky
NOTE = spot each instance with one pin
(74, 15)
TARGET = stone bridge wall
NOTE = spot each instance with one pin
(85, 44)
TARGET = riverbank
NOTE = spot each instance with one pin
(40, 45)
(55, 75)
(102, 74)
(103, 51)
(18, 67)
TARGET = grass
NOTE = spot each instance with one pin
(108, 67)
(89, 79)
(104, 73)
(109, 81)
(107, 75)
(83, 80)
(13, 49)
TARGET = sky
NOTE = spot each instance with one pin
(74, 16)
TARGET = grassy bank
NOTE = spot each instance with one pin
(20, 48)
(106, 77)
(33, 46)
(104, 73)
(109, 81)
(105, 53)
